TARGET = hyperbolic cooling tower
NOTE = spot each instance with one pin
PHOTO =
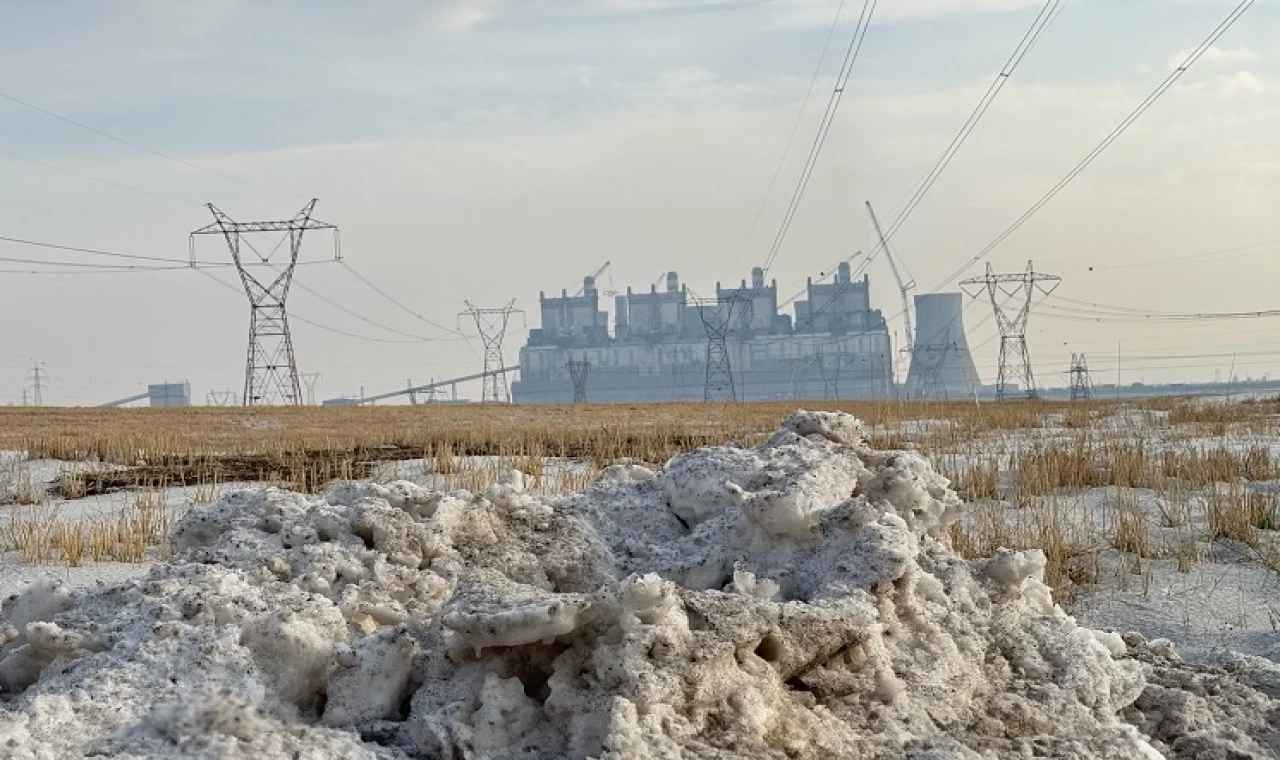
(941, 365)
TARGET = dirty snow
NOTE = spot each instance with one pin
(797, 599)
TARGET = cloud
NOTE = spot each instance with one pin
(460, 15)
(1215, 56)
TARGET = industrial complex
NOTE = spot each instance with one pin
(668, 345)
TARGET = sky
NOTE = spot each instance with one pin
(487, 150)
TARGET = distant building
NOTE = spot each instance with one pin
(836, 346)
(169, 394)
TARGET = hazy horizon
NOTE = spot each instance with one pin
(488, 150)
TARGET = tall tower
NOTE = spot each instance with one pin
(1081, 384)
(1015, 358)
(579, 371)
(492, 326)
(271, 371)
(717, 319)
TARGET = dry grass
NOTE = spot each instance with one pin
(1190, 452)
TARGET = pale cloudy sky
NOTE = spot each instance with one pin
(489, 149)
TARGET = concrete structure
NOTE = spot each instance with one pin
(836, 345)
(170, 394)
(159, 395)
(941, 365)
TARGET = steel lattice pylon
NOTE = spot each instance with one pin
(717, 318)
(931, 360)
(578, 373)
(1015, 358)
(1081, 384)
(271, 372)
(492, 326)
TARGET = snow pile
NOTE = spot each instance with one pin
(797, 599)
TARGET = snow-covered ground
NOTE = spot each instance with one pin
(798, 599)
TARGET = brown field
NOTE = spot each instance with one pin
(1031, 457)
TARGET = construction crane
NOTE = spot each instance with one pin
(903, 287)
(583, 288)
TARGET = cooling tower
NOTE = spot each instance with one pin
(941, 365)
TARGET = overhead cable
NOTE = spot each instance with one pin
(295, 316)
(1114, 135)
(795, 128)
(103, 180)
(1041, 22)
(824, 128)
(142, 148)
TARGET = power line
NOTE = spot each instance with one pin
(103, 180)
(83, 265)
(795, 128)
(142, 148)
(1115, 134)
(394, 302)
(1042, 20)
(833, 104)
(91, 251)
(299, 318)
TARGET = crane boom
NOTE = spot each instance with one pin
(583, 288)
(903, 287)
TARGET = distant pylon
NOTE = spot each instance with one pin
(271, 372)
(310, 379)
(492, 326)
(1081, 384)
(578, 373)
(1015, 358)
(931, 360)
(717, 319)
(37, 394)
(220, 398)
(829, 368)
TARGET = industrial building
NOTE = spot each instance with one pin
(834, 345)
(159, 395)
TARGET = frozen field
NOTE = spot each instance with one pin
(1097, 585)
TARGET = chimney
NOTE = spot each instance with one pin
(673, 282)
(844, 274)
(757, 278)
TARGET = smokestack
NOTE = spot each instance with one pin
(757, 278)
(941, 365)
(589, 285)
(844, 275)
(621, 317)
(673, 282)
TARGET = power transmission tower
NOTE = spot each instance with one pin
(37, 396)
(1081, 383)
(492, 326)
(717, 319)
(1015, 358)
(310, 379)
(220, 398)
(271, 372)
(931, 359)
(829, 368)
(578, 373)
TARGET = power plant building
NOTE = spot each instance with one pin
(834, 346)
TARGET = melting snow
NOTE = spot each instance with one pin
(797, 599)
